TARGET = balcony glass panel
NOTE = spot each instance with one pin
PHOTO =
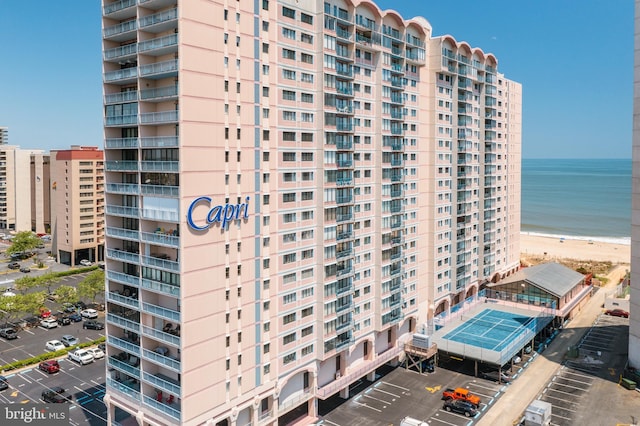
(121, 166)
(120, 28)
(159, 287)
(123, 256)
(120, 97)
(160, 311)
(159, 68)
(161, 215)
(159, 117)
(124, 367)
(123, 322)
(123, 233)
(124, 345)
(158, 18)
(112, 296)
(171, 363)
(159, 166)
(123, 188)
(160, 142)
(161, 263)
(123, 278)
(161, 335)
(161, 238)
(161, 190)
(162, 383)
(120, 120)
(159, 93)
(158, 43)
(121, 51)
(119, 5)
(129, 390)
(165, 408)
(118, 143)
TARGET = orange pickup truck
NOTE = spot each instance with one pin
(462, 394)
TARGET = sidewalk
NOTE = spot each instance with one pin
(510, 407)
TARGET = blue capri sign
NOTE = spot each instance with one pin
(222, 214)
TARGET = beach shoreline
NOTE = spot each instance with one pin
(615, 250)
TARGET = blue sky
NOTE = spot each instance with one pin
(573, 57)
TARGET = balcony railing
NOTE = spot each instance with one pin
(123, 256)
(124, 367)
(161, 263)
(159, 68)
(123, 322)
(121, 166)
(121, 51)
(161, 335)
(159, 287)
(123, 278)
(163, 215)
(161, 190)
(168, 314)
(121, 120)
(158, 43)
(159, 93)
(112, 296)
(130, 234)
(119, 143)
(161, 383)
(158, 18)
(114, 7)
(161, 238)
(123, 344)
(159, 166)
(159, 117)
(123, 211)
(121, 387)
(170, 363)
(160, 142)
(123, 188)
(120, 28)
(120, 97)
(165, 408)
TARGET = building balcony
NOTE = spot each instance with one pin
(123, 188)
(121, 143)
(161, 262)
(344, 143)
(344, 162)
(344, 199)
(344, 217)
(129, 388)
(344, 182)
(159, 22)
(121, 120)
(124, 345)
(116, 297)
(161, 238)
(343, 34)
(159, 93)
(344, 253)
(164, 361)
(344, 271)
(172, 410)
(122, 278)
(120, 9)
(121, 166)
(160, 142)
(124, 323)
(121, 32)
(162, 382)
(127, 234)
(161, 288)
(159, 166)
(162, 312)
(163, 215)
(170, 339)
(344, 127)
(121, 53)
(160, 70)
(161, 190)
(159, 46)
(123, 256)
(124, 367)
(123, 211)
(121, 97)
(162, 117)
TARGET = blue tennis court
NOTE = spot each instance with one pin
(492, 329)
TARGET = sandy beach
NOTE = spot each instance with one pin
(554, 248)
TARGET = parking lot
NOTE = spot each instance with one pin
(84, 384)
(401, 392)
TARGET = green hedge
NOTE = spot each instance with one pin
(75, 271)
(49, 355)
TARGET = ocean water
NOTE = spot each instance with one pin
(577, 199)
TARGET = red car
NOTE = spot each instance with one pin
(45, 313)
(617, 313)
(50, 366)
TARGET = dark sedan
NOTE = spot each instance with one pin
(55, 395)
(92, 325)
(461, 407)
(75, 317)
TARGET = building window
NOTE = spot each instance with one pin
(307, 19)
(289, 54)
(306, 58)
(288, 13)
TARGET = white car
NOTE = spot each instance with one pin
(49, 323)
(85, 262)
(89, 313)
(96, 352)
(54, 345)
(81, 356)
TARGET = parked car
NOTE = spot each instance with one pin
(68, 308)
(49, 323)
(55, 395)
(75, 317)
(4, 383)
(85, 262)
(89, 313)
(69, 340)
(495, 375)
(81, 305)
(96, 352)
(617, 313)
(92, 325)
(8, 333)
(81, 356)
(45, 313)
(51, 366)
(25, 269)
(103, 347)
(14, 265)
(54, 345)
(64, 320)
(461, 407)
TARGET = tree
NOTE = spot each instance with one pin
(92, 285)
(13, 307)
(27, 283)
(47, 280)
(66, 295)
(24, 241)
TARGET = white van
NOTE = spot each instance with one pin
(410, 421)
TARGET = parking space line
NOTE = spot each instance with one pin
(388, 393)
(574, 380)
(330, 422)
(399, 387)
(563, 400)
(568, 371)
(376, 399)
(563, 392)
(28, 331)
(365, 405)
(442, 421)
(556, 415)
